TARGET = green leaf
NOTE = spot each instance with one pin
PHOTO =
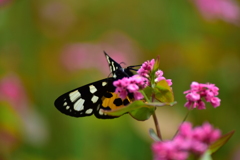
(9, 116)
(159, 104)
(148, 91)
(10, 120)
(156, 104)
(143, 113)
(220, 142)
(134, 108)
(206, 156)
(153, 135)
(163, 92)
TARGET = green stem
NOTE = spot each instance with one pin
(154, 116)
(157, 125)
(145, 96)
(184, 119)
(156, 122)
(186, 116)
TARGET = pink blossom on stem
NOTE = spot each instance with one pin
(206, 133)
(168, 150)
(185, 129)
(227, 10)
(138, 95)
(78, 56)
(169, 82)
(189, 140)
(215, 101)
(200, 137)
(121, 87)
(12, 90)
(199, 91)
(131, 85)
(146, 68)
(159, 75)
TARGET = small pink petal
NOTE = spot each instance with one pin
(201, 105)
(215, 101)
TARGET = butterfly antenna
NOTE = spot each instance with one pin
(109, 75)
(122, 63)
(133, 67)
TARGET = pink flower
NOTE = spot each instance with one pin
(188, 140)
(198, 147)
(227, 10)
(121, 87)
(3, 2)
(78, 56)
(168, 150)
(215, 101)
(201, 91)
(194, 96)
(146, 68)
(206, 133)
(131, 85)
(169, 82)
(11, 90)
(159, 75)
(137, 95)
(185, 129)
(199, 137)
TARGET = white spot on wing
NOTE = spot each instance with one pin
(100, 112)
(67, 107)
(104, 83)
(114, 76)
(92, 88)
(89, 111)
(98, 106)
(65, 103)
(74, 95)
(113, 67)
(108, 59)
(78, 106)
(94, 99)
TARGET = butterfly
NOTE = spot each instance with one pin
(96, 97)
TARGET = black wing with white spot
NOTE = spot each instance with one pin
(85, 100)
(95, 97)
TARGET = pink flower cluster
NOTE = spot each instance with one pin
(199, 91)
(227, 10)
(12, 91)
(131, 85)
(159, 75)
(146, 68)
(188, 140)
(140, 81)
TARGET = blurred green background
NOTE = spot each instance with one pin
(48, 47)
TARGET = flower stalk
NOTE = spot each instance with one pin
(157, 125)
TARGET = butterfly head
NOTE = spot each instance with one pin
(117, 70)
